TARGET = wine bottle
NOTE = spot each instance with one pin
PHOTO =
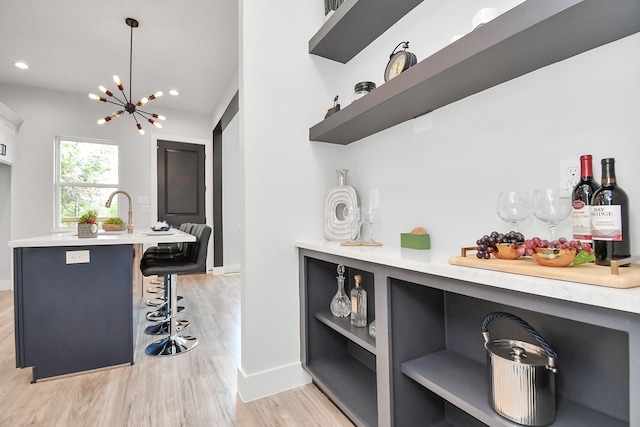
(581, 201)
(358, 304)
(610, 218)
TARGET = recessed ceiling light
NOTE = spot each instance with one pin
(174, 92)
(21, 65)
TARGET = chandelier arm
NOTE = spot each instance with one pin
(142, 112)
(117, 99)
(134, 118)
(119, 103)
(125, 95)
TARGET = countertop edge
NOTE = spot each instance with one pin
(71, 239)
(436, 263)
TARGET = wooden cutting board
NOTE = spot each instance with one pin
(628, 277)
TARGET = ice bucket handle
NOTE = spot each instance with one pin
(502, 315)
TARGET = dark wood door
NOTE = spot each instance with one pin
(181, 183)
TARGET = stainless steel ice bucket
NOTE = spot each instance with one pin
(522, 384)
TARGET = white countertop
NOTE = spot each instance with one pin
(104, 238)
(436, 263)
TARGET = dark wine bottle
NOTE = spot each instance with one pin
(610, 218)
(581, 201)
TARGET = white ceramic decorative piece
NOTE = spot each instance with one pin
(483, 16)
(340, 196)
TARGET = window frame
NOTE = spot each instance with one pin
(57, 192)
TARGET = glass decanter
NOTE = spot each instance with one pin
(340, 304)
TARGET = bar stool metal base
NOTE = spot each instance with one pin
(161, 314)
(156, 290)
(164, 327)
(171, 346)
(156, 302)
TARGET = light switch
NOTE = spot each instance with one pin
(78, 257)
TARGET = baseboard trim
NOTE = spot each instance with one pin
(5, 285)
(265, 383)
(226, 269)
(233, 268)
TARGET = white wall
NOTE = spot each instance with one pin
(285, 180)
(442, 172)
(513, 136)
(49, 113)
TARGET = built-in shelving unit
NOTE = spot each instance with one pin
(340, 358)
(427, 365)
(343, 35)
(530, 36)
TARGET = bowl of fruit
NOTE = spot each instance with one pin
(558, 253)
(553, 257)
(513, 245)
(502, 246)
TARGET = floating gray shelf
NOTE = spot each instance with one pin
(343, 36)
(530, 36)
(343, 325)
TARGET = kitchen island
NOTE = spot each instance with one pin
(427, 363)
(74, 299)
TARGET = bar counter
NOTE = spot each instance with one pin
(74, 299)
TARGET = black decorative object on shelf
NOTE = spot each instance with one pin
(336, 107)
(399, 61)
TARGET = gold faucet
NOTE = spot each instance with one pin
(130, 221)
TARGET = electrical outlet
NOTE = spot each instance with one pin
(78, 257)
(569, 174)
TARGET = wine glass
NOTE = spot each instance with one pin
(369, 217)
(514, 207)
(352, 215)
(552, 206)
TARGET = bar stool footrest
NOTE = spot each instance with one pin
(161, 315)
(172, 346)
(162, 328)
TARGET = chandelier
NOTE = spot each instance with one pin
(127, 104)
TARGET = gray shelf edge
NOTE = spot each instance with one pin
(530, 36)
(359, 336)
(463, 382)
(340, 38)
(329, 372)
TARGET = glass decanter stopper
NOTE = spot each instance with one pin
(340, 304)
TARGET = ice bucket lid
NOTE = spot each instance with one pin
(517, 352)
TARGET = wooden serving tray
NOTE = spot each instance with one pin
(627, 277)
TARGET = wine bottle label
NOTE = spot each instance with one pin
(606, 222)
(581, 216)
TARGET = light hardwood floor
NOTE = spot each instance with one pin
(197, 388)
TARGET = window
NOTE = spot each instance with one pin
(87, 172)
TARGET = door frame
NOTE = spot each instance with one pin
(208, 171)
